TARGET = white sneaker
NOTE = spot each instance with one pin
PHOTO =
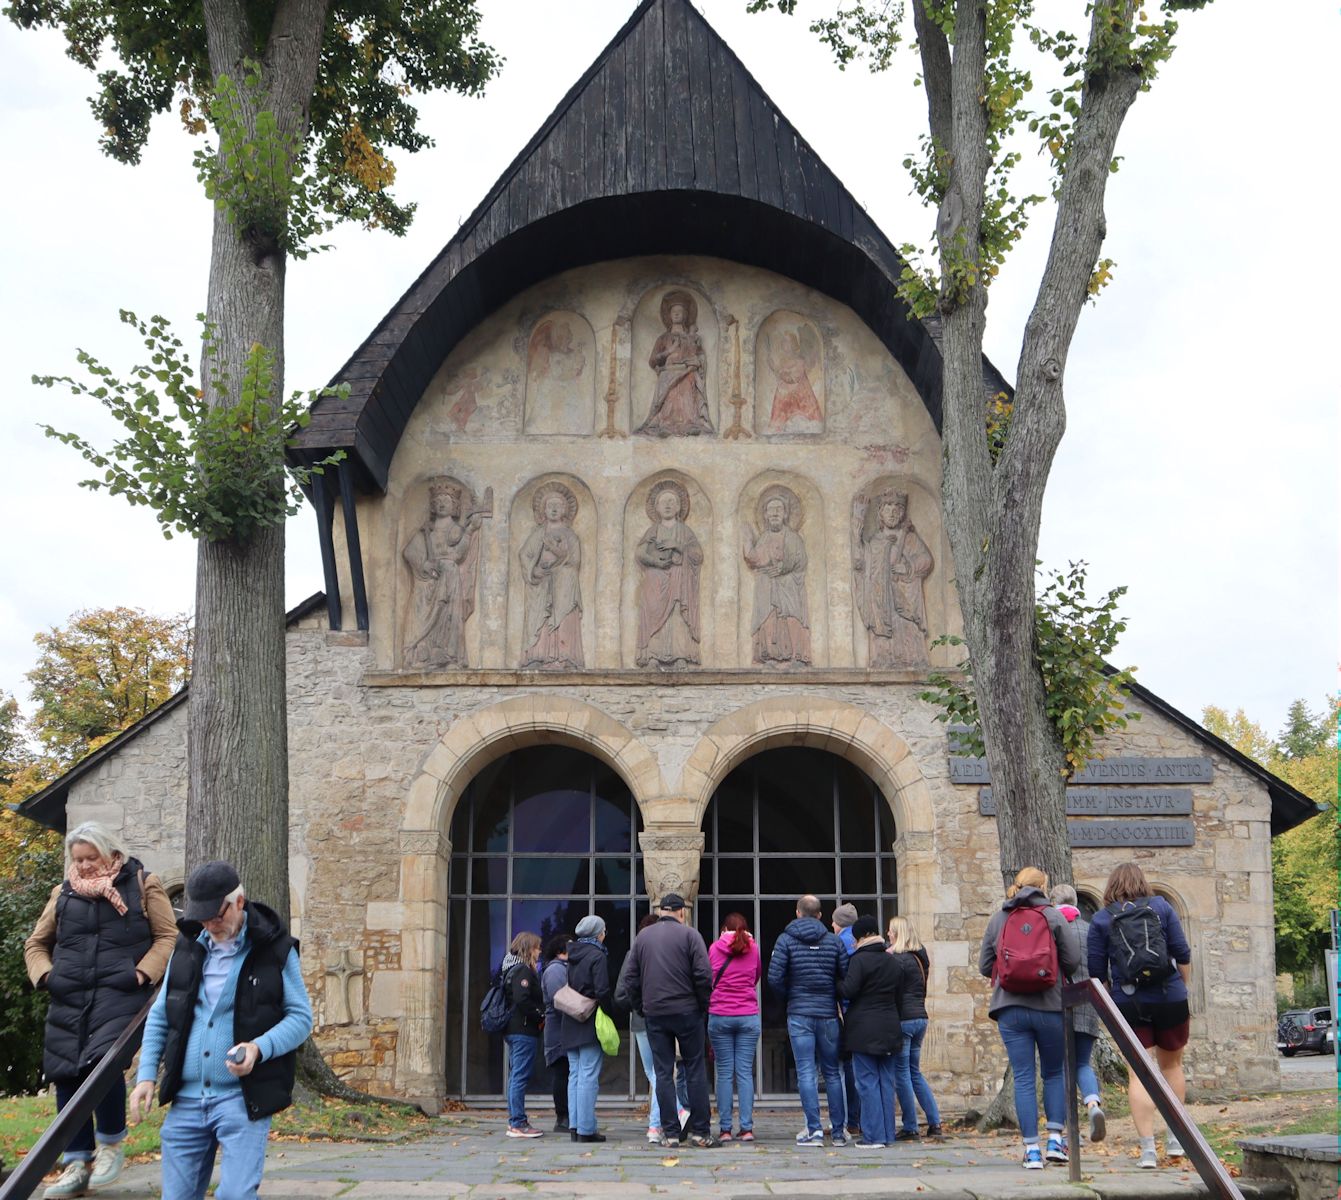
(108, 1161)
(1149, 1160)
(1098, 1123)
(73, 1181)
(653, 1135)
(1172, 1146)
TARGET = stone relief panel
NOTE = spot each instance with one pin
(476, 392)
(782, 574)
(891, 563)
(560, 375)
(667, 617)
(552, 567)
(789, 390)
(442, 559)
(675, 333)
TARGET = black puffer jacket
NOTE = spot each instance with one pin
(917, 966)
(874, 985)
(528, 1007)
(588, 973)
(94, 989)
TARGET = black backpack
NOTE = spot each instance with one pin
(1136, 944)
(496, 1007)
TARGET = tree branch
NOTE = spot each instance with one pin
(935, 52)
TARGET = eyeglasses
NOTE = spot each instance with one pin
(219, 916)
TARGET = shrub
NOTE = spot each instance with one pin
(23, 1010)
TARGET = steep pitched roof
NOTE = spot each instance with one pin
(666, 144)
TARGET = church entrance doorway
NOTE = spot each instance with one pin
(540, 837)
(783, 823)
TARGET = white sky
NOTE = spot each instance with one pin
(1198, 466)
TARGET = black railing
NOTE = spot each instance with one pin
(1197, 1149)
(30, 1169)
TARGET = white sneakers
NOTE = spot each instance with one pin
(73, 1181)
(1172, 1146)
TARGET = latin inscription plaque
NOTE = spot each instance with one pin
(1104, 770)
(1109, 802)
(1130, 833)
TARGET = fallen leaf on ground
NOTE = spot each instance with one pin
(670, 1162)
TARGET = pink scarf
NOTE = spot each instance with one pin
(94, 879)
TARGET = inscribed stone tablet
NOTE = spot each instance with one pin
(1130, 833)
(1105, 770)
(1108, 802)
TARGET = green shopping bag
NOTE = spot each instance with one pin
(606, 1033)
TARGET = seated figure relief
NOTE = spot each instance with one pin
(551, 558)
(776, 553)
(890, 564)
(443, 557)
(680, 401)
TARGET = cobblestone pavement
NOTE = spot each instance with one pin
(471, 1158)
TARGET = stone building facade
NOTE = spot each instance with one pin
(671, 512)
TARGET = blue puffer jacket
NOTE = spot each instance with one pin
(805, 968)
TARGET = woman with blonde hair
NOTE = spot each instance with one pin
(910, 1085)
(1027, 950)
(1154, 1002)
(101, 943)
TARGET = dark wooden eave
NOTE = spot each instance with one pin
(666, 145)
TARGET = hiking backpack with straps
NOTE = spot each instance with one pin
(1136, 944)
(1026, 952)
(496, 1007)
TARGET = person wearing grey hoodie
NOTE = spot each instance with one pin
(1030, 1023)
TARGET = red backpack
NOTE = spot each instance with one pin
(1026, 952)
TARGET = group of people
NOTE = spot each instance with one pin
(220, 1042)
(856, 1013)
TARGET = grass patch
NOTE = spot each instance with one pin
(1223, 1135)
(24, 1118)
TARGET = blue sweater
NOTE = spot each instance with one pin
(1172, 989)
(212, 1032)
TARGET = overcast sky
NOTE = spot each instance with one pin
(1199, 462)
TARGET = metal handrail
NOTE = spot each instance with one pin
(30, 1169)
(1195, 1146)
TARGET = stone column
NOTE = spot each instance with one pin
(672, 856)
(421, 1051)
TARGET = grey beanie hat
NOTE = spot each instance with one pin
(845, 916)
(591, 926)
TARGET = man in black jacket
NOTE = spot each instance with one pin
(669, 982)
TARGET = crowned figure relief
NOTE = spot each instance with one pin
(443, 557)
(890, 563)
(551, 558)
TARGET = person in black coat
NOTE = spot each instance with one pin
(874, 987)
(523, 1031)
(588, 974)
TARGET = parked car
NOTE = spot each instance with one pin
(1304, 1029)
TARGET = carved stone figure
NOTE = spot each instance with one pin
(793, 356)
(889, 563)
(560, 362)
(668, 599)
(680, 402)
(780, 628)
(551, 557)
(443, 556)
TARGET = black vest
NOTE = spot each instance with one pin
(258, 1006)
(93, 986)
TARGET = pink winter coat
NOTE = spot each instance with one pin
(735, 994)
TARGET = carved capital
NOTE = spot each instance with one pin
(425, 841)
(671, 862)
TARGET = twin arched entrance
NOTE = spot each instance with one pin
(543, 835)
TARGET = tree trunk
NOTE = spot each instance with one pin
(1001, 1112)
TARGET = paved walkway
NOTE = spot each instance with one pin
(470, 1158)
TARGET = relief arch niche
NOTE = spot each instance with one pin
(560, 375)
(552, 576)
(667, 617)
(789, 390)
(674, 364)
(782, 571)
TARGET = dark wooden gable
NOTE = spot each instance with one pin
(666, 144)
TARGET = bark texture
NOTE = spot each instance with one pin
(237, 800)
(992, 511)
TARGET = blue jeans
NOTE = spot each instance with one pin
(1024, 1031)
(521, 1062)
(810, 1036)
(911, 1084)
(194, 1130)
(875, 1086)
(109, 1116)
(584, 1084)
(733, 1043)
(1086, 1079)
(650, 1070)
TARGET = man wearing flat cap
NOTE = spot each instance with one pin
(670, 982)
(224, 1032)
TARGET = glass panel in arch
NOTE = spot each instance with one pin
(889, 879)
(856, 809)
(456, 944)
(552, 805)
(858, 874)
(887, 831)
(735, 875)
(795, 801)
(614, 830)
(490, 794)
(558, 914)
(489, 876)
(618, 918)
(566, 876)
(613, 876)
(796, 876)
(733, 803)
(488, 943)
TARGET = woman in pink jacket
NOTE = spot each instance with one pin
(733, 1021)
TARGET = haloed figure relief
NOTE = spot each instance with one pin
(551, 557)
(889, 564)
(680, 403)
(776, 553)
(671, 560)
(443, 557)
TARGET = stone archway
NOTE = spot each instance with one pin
(470, 744)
